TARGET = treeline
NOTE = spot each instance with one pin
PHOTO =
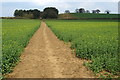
(27, 13)
(48, 13)
(82, 10)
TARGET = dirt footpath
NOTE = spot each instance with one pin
(48, 57)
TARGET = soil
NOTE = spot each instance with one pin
(47, 57)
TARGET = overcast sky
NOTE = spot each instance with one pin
(9, 6)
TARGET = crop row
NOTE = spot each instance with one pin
(15, 36)
(97, 41)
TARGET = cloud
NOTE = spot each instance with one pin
(44, 2)
(87, 4)
(48, 1)
(59, 5)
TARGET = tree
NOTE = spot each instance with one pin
(16, 13)
(36, 13)
(107, 11)
(97, 11)
(20, 13)
(81, 10)
(76, 10)
(67, 11)
(93, 11)
(50, 12)
(87, 11)
(27, 13)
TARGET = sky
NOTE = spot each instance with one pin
(7, 7)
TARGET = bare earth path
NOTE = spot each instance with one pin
(48, 57)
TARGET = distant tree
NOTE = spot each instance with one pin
(30, 16)
(16, 13)
(81, 10)
(20, 13)
(24, 11)
(30, 11)
(107, 11)
(87, 11)
(76, 10)
(27, 13)
(49, 15)
(36, 13)
(50, 12)
(67, 11)
(93, 11)
(97, 11)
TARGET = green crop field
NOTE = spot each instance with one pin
(79, 16)
(15, 36)
(97, 41)
(91, 15)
